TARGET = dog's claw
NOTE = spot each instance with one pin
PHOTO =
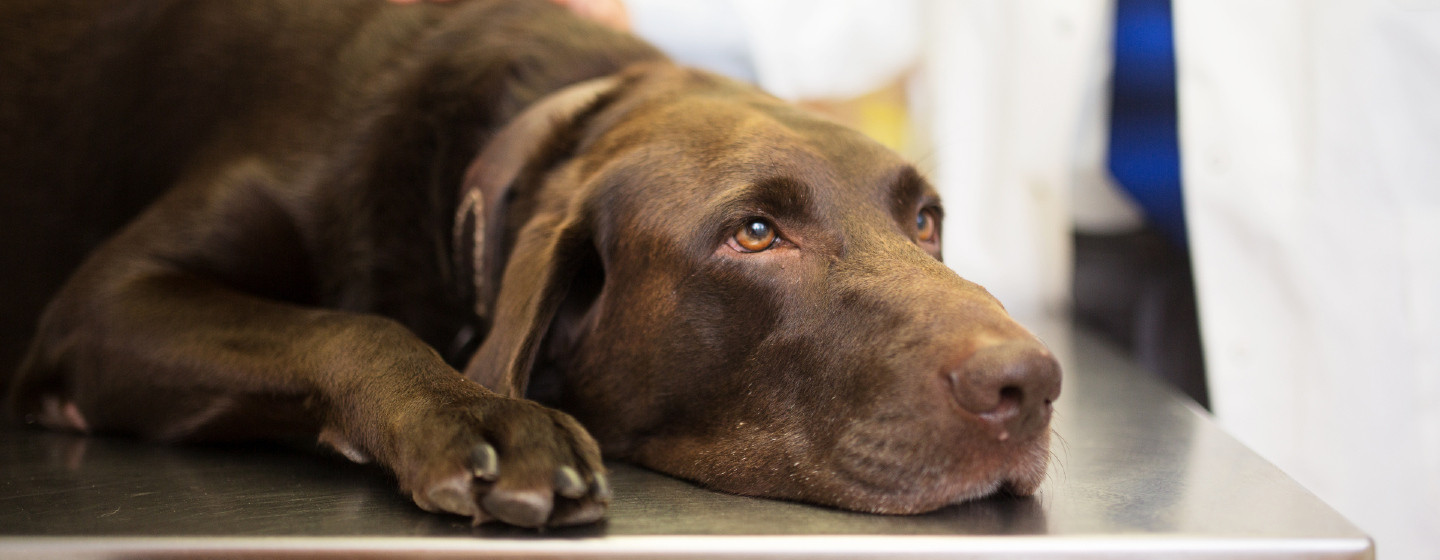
(568, 483)
(485, 463)
(601, 489)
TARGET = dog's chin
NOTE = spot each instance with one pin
(1020, 472)
(899, 476)
(1024, 485)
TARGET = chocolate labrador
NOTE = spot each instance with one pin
(401, 229)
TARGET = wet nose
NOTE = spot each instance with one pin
(1009, 385)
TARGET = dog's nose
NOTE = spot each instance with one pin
(1009, 385)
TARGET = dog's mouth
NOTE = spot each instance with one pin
(889, 467)
(881, 471)
(1021, 480)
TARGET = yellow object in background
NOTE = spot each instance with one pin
(882, 114)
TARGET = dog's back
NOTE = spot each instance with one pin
(106, 104)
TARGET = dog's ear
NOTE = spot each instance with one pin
(520, 289)
(536, 281)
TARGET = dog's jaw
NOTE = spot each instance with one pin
(947, 461)
(790, 466)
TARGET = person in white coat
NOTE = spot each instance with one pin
(1310, 136)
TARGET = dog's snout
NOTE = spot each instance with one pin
(1010, 385)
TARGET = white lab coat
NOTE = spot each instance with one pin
(1310, 135)
(1013, 99)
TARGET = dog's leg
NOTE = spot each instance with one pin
(152, 337)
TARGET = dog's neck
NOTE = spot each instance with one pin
(480, 212)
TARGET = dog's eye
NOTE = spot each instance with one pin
(925, 227)
(756, 235)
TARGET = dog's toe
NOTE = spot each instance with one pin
(583, 503)
(451, 496)
(523, 508)
(577, 512)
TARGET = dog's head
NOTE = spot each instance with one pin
(733, 291)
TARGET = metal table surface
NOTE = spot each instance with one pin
(1139, 472)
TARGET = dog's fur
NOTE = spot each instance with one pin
(346, 204)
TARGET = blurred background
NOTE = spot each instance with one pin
(1243, 195)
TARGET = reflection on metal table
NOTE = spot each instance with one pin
(1138, 472)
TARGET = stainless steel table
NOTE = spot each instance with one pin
(1139, 472)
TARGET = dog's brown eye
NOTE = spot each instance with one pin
(756, 235)
(925, 227)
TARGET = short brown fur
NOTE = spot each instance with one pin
(281, 190)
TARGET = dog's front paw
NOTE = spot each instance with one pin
(496, 458)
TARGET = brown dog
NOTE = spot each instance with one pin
(715, 284)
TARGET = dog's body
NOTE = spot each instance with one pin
(716, 285)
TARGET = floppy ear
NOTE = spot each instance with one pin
(520, 294)
(536, 280)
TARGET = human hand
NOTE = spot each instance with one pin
(610, 13)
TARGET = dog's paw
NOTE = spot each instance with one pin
(509, 460)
